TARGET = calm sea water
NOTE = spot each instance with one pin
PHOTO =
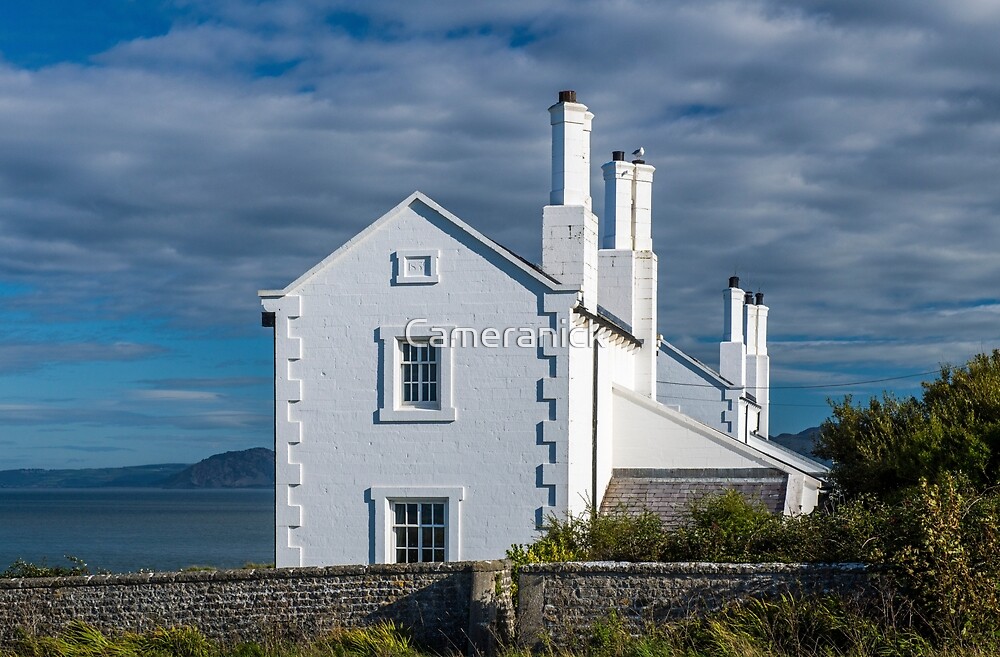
(123, 530)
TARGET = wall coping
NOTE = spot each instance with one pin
(691, 568)
(243, 574)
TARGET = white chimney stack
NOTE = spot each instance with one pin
(569, 227)
(628, 266)
(642, 220)
(732, 350)
(571, 125)
(619, 178)
(758, 362)
(750, 324)
(628, 204)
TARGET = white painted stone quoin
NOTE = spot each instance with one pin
(550, 378)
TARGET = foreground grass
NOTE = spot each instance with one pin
(820, 627)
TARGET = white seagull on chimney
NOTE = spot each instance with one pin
(638, 153)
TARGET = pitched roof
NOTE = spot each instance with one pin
(411, 200)
(696, 364)
(670, 493)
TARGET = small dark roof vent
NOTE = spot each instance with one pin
(760, 298)
(734, 281)
(567, 96)
(617, 156)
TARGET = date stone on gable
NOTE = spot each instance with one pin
(415, 267)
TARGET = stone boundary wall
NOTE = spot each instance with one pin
(455, 607)
(559, 602)
(447, 607)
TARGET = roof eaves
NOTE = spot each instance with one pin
(609, 324)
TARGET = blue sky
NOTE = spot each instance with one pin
(161, 160)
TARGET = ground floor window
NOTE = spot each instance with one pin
(416, 523)
(419, 531)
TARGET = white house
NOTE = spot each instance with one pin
(437, 396)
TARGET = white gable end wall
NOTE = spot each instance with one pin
(491, 452)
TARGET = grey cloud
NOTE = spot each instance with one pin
(846, 165)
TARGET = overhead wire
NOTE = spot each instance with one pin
(811, 386)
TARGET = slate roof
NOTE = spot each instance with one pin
(669, 493)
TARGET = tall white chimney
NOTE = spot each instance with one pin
(758, 362)
(569, 227)
(628, 266)
(571, 125)
(619, 179)
(732, 350)
(642, 218)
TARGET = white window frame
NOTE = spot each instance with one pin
(417, 381)
(392, 408)
(418, 529)
(384, 497)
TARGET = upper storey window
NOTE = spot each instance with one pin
(420, 368)
(416, 376)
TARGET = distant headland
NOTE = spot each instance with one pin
(249, 468)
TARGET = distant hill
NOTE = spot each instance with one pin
(138, 476)
(801, 442)
(251, 468)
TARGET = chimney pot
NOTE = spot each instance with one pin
(567, 96)
(748, 298)
(734, 281)
(760, 298)
(617, 156)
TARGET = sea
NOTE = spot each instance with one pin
(131, 529)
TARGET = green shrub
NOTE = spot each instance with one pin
(22, 568)
(615, 536)
(944, 555)
(726, 527)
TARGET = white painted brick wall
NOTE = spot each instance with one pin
(336, 449)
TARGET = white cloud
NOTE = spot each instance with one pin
(840, 156)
